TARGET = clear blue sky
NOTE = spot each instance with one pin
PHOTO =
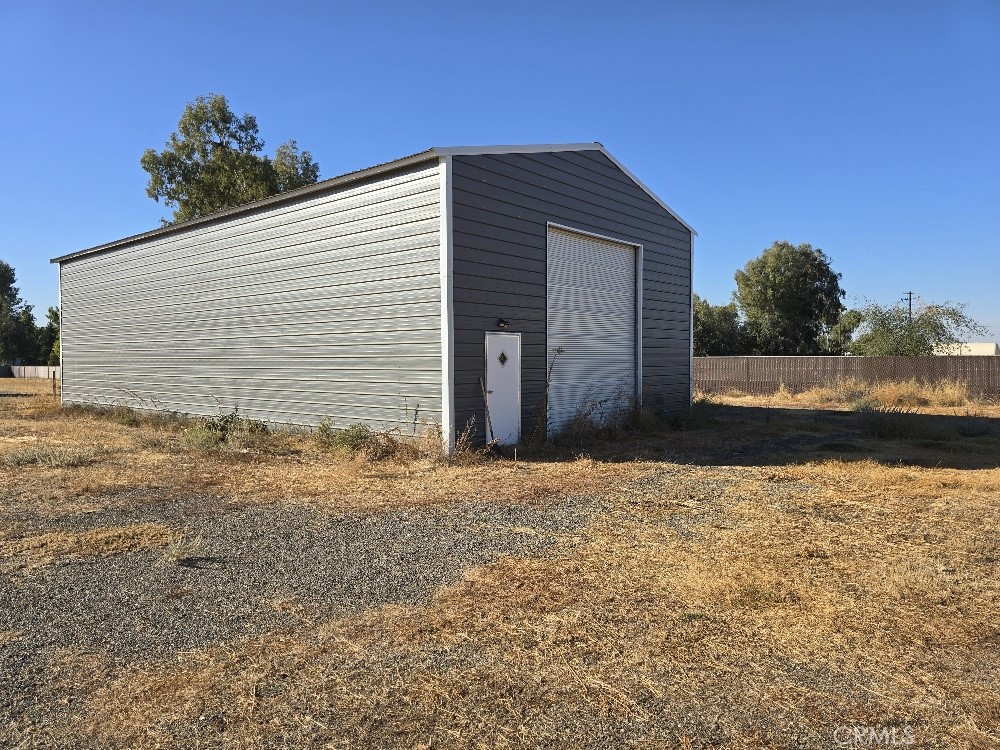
(871, 130)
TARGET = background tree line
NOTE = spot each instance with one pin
(22, 341)
(788, 301)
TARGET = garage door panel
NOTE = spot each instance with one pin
(591, 316)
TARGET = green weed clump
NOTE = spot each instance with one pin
(226, 431)
(352, 439)
(359, 440)
(125, 415)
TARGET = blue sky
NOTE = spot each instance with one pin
(871, 130)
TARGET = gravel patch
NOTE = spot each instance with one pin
(258, 568)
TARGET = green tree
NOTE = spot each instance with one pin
(890, 331)
(55, 355)
(213, 161)
(48, 338)
(293, 169)
(837, 339)
(789, 298)
(18, 333)
(718, 330)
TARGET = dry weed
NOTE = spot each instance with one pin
(182, 546)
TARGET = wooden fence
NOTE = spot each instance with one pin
(765, 375)
(30, 371)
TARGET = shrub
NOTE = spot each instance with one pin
(200, 438)
(880, 421)
(917, 393)
(225, 431)
(125, 415)
(845, 391)
(352, 439)
(911, 392)
(147, 415)
(362, 441)
(233, 423)
(183, 547)
(610, 426)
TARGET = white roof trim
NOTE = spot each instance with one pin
(523, 149)
(556, 147)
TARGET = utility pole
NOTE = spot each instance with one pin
(909, 299)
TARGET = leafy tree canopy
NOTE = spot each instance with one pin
(889, 331)
(789, 297)
(18, 334)
(48, 338)
(837, 339)
(718, 330)
(213, 161)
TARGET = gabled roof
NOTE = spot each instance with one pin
(553, 147)
(436, 152)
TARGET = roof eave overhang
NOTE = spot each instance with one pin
(433, 153)
(318, 187)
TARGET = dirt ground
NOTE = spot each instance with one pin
(761, 573)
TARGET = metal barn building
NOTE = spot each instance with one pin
(433, 289)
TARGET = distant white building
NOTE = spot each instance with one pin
(970, 349)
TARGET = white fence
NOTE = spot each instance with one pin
(33, 371)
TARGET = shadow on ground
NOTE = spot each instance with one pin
(724, 435)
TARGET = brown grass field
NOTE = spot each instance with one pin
(782, 572)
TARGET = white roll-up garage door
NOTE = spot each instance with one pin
(591, 315)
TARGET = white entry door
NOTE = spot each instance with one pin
(503, 387)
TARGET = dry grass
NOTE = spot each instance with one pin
(41, 549)
(290, 467)
(911, 393)
(942, 397)
(775, 621)
(752, 606)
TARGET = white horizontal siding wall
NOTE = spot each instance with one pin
(325, 307)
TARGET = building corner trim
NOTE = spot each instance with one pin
(691, 322)
(62, 370)
(448, 433)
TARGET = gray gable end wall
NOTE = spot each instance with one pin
(500, 208)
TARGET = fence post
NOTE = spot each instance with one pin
(53, 384)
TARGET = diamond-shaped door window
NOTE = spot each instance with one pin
(502, 359)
